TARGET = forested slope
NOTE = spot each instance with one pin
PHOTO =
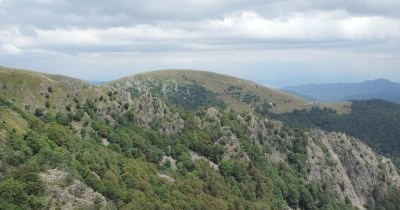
(157, 143)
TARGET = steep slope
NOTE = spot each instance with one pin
(374, 121)
(33, 90)
(350, 166)
(334, 160)
(168, 140)
(373, 89)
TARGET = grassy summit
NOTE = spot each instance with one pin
(239, 94)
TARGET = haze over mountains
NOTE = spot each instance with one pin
(371, 89)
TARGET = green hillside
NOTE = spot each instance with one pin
(36, 90)
(175, 140)
(241, 95)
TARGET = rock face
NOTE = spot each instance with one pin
(269, 134)
(335, 159)
(150, 112)
(194, 156)
(349, 165)
(68, 193)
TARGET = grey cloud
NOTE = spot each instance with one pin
(44, 13)
(206, 34)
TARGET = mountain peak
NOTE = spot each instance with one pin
(241, 94)
(380, 81)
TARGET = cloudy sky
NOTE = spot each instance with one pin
(273, 42)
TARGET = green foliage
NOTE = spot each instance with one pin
(102, 129)
(293, 196)
(126, 171)
(13, 191)
(231, 168)
(135, 93)
(373, 121)
(90, 108)
(47, 117)
(192, 96)
(58, 135)
(78, 115)
(239, 94)
(264, 109)
(39, 112)
(47, 104)
(62, 118)
(250, 98)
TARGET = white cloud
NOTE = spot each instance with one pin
(209, 34)
(67, 36)
(314, 26)
(49, 2)
(10, 49)
(239, 28)
(371, 28)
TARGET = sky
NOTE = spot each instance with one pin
(272, 42)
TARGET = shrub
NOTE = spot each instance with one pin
(39, 112)
(62, 118)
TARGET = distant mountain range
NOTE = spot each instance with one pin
(95, 82)
(371, 89)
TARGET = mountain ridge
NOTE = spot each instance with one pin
(244, 95)
(175, 141)
(370, 89)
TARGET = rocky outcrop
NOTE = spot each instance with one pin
(269, 134)
(349, 165)
(194, 156)
(345, 163)
(231, 143)
(68, 193)
(152, 112)
(149, 112)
